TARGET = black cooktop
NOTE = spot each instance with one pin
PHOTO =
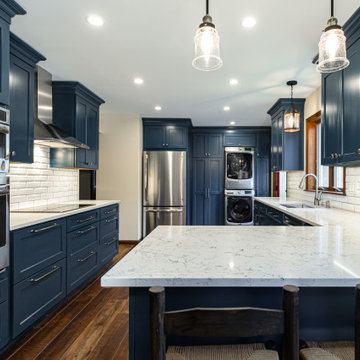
(52, 208)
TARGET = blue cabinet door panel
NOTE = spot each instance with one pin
(36, 295)
(215, 145)
(5, 61)
(4, 323)
(262, 177)
(4, 285)
(22, 110)
(199, 145)
(199, 175)
(36, 247)
(109, 247)
(109, 225)
(85, 236)
(176, 137)
(154, 137)
(239, 140)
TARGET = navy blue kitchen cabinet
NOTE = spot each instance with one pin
(166, 134)
(76, 111)
(23, 60)
(239, 140)
(208, 145)
(8, 9)
(262, 164)
(4, 308)
(287, 149)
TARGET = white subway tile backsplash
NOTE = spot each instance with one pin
(37, 184)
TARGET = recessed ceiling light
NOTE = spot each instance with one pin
(248, 22)
(226, 108)
(158, 108)
(138, 81)
(233, 81)
(95, 20)
(232, 123)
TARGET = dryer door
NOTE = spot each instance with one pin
(239, 170)
(239, 210)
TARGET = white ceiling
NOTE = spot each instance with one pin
(154, 40)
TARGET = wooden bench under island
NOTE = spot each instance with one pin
(225, 266)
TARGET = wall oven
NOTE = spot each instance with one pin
(4, 222)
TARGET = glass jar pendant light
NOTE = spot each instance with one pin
(292, 116)
(332, 47)
(207, 45)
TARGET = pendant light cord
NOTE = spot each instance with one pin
(332, 8)
(207, 7)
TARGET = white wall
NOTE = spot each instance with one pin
(120, 164)
(37, 184)
(349, 202)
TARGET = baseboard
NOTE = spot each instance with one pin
(128, 242)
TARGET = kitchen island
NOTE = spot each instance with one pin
(242, 266)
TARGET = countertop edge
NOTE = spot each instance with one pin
(55, 216)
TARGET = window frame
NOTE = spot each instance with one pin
(312, 154)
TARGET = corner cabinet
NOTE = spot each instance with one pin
(76, 111)
(166, 134)
(8, 9)
(287, 149)
(23, 60)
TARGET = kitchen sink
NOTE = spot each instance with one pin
(298, 205)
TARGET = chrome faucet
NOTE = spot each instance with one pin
(318, 194)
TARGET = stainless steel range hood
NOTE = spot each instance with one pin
(45, 132)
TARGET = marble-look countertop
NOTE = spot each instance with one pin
(22, 220)
(323, 255)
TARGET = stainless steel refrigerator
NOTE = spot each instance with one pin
(164, 189)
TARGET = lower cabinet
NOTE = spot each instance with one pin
(52, 260)
(36, 295)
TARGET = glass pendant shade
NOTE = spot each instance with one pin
(207, 49)
(292, 120)
(332, 50)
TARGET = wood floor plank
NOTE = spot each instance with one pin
(53, 336)
(123, 351)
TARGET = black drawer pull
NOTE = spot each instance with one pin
(44, 229)
(92, 253)
(112, 241)
(110, 211)
(84, 220)
(55, 268)
(111, 220)
(82, 232)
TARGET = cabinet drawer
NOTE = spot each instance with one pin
(35, 296)
(276, 216)
(77, 221)
(82, 237)
(81, 266)
(4, 324)
(36, 247)
(109, 247)
(112, 210)
(109, 225)
(4, 285)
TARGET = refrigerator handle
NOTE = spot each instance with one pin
(146, 177)
(165, 210)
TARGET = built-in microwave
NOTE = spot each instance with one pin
(4, 140)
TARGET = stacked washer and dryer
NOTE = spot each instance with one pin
(239, 185)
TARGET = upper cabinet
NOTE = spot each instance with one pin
(76, 111)
(341, 105)
(208, 145)
(23, 59)
(287, 149)
(162, 134)
(8, 9)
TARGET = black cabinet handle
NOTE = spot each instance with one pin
(55, 268)
(84, 220)
(44, 229)
(87, 258)
(82, 232)
(110, 211)
(111, 220)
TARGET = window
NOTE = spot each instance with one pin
(331, 178)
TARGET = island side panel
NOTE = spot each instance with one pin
(321, 316)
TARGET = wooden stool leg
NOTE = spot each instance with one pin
(357, 322)
(157, 315)
(291, 326)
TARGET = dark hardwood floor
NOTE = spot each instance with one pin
(92, 325)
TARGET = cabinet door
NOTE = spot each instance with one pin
(4, 323)
(263, 145)
(239, 140)
(214, 146)
(198, 201)
(351, 122)
(331, 126)
(276, 143)
(4, 62)
(176, 137)
(262, 176)
(214, 181)
(21, 110)
(154, 137)
(199, 145)
(81, 129)
(92, 137)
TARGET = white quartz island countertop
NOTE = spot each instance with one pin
(323, 255)
(19, 220)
